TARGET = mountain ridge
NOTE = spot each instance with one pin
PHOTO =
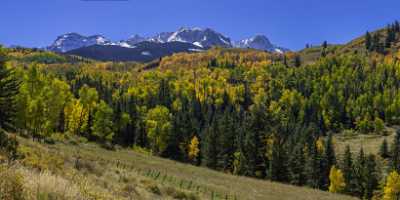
(201, 37)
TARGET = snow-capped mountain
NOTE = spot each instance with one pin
(260, 42)
(72, 41)
(204, 38)
(161, 37)
(195, 39)
(200, 37)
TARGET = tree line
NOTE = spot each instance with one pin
(261, 119)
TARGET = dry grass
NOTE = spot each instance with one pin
(370, 143)
(124, 178)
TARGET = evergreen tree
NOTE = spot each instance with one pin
(329, 151)
(395, 153)
(370, 177)
(8, 91)
(368, 41)
(211, 145)
(384, 149)
(348, 171)
(325, 44)
(297, 166)
(313, 166)
(359, 172)
(278, 169)
(297, 61)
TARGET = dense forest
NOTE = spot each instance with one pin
(243, 112)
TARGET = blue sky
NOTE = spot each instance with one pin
(288, 23)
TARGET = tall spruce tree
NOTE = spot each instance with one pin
(8, 90)
(395, 153)
(297, 166)
(384, 149)
(348, 171)
(370, 177)
(313, 166)
(368, 41)
(359, 172)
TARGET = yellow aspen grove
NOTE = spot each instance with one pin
(193, 148)
(392, 188)
(337, 182)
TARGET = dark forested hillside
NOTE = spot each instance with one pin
(143, 52)
(244, 112)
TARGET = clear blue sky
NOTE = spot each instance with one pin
(288, 23)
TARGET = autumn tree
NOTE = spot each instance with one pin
(391, 191)
(193, 149)
(158, 126)
(336, 179)
(103, 126)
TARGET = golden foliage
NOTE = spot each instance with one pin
(392, 188)
(337, 182)
(193, 148)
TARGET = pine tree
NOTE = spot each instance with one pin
(396, 26)
(210, 146)
(297, 61)
(328, 160)
(395, 153)
(384, 149)
(8, 91)
(278, 170)
(325, 44)
(329, 151)
(297, 166)
(370, 177)
(313, 166)
(348, 171)
(368, 42)
(359, 172)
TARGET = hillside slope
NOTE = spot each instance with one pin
(155, 178)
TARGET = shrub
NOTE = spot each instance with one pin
(8, 146)
(11, 187)
(41, 160)
(151, 186)
(178, 194)
(47, 186)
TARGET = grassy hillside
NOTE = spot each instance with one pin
(69, 171)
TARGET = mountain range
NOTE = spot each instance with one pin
(139, 48)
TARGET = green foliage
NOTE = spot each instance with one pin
(103, 122)
(44, 57)
(158, 126)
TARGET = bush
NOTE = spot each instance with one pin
(151, 186)
(178, 194)
(41, 160)
(47, 186)
(11, 187)
(8, 146)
